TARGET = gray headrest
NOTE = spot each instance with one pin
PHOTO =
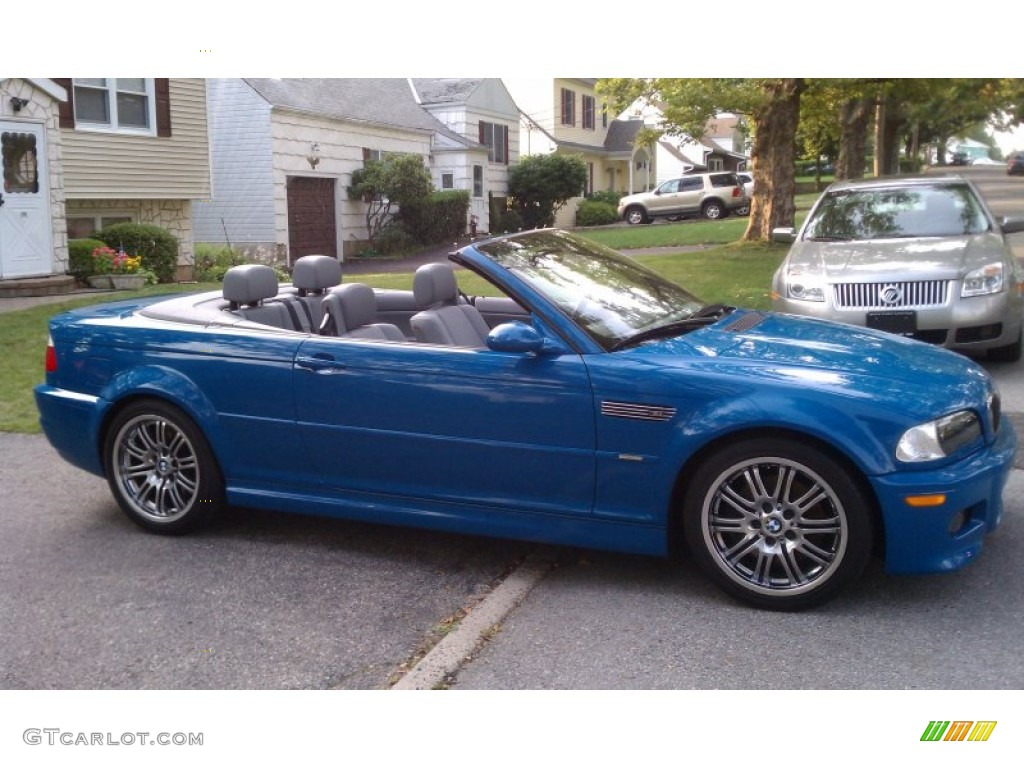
(249, 284)
(434, 284)
(316, 273)
(358, 304)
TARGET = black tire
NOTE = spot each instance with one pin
(713, 209)
(161, 469)
(636, 215)
(1008, 354)
(743, 210)
(777, 524)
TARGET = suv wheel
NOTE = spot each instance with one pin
(636, 215)
(713, 210)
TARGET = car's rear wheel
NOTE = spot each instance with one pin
(636, 215)
(713, 209)
(777, 523)
(160, 468)
(743, 210)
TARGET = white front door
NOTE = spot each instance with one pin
(26, 232)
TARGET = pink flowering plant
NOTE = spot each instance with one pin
(107, 261)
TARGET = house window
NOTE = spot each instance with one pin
(87, 224)
(478, 181)
(118, 104)
(568, 107)
(716, 164)
(495, 138)
(447, 180)
(372, 155)
(589, 104)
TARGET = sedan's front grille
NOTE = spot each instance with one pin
(925, 293)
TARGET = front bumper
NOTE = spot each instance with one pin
(920, 539)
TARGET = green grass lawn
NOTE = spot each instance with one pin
(730, 273)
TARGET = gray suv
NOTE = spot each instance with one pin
(711, 195)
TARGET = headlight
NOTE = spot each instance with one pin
(940, 438)
(983, 281)
(803, 287)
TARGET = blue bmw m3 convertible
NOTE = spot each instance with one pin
(587, 402)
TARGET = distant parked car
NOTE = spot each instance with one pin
(711, 195)
(1015, 164)
(958, 158)
(920, 256)
(747, 179)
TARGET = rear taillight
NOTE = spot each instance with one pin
(51, 357)
(737, 192)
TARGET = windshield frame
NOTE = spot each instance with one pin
(608, 296)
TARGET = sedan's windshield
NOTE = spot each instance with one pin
(866, 214)
(610, 296)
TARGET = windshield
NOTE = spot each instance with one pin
(608, 295)
(868, 214)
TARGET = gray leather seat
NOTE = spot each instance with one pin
(249, 290)
(350, 311)
(312, 277)
(444, 320)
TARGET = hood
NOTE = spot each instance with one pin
(925, 258)
(819, 354)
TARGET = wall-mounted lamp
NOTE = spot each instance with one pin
(314, 154)
(17, 103)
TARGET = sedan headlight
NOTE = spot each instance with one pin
(983, 281)
(940, 438)
(804, 287)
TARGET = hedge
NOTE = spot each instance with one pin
(157, 247)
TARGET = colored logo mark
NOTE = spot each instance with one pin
(958, 730)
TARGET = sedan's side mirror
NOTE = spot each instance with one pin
(1011, 224)
(519, 338)
(784, 235)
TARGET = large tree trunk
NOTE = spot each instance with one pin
(773, 159)
(889, 123)
(854, 119)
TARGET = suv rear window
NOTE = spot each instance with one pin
(724, 180)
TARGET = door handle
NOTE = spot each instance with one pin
(322, 364)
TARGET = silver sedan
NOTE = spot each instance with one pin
(921, 256)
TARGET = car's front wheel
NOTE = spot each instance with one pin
(777, 523)
(636, 215)
(713, 210)
(160, 468)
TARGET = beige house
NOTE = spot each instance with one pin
(81, 154)
(567, 115)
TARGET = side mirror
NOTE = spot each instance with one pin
(1011, 224)
(784, 235)
(517, 337)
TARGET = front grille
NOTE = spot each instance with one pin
(925, 293)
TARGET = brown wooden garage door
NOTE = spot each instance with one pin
(311, 225)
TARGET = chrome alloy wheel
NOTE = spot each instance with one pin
(774, 526)
(156, 468)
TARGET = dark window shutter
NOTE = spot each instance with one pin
(66, 109)
(480, 125)
(506, 144)
(163, 106)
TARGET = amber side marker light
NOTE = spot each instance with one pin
(927, 500)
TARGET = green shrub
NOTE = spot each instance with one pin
(593, 213)
(157, 247)
(80, 263)
(212, 261)
(606, 196)
(509, 221)
(393, 239)
(441, 217)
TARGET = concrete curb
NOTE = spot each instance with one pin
(452, 652)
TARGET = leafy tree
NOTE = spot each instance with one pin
(541, 184)
(383, 184)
